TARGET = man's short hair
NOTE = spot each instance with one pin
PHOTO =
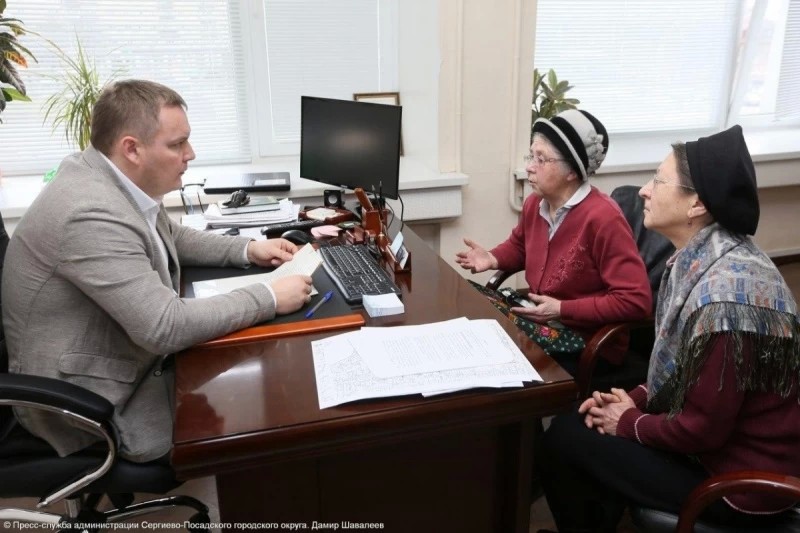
(130, 107)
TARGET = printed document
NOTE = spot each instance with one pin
(304, 262)
(402, 350)
(343, 375)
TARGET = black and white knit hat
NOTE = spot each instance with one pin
(579, 136)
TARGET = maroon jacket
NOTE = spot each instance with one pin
(591, 264)
(725, 428)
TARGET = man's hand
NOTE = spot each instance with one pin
(270, 253)
(603, 410)
(476, 258)
(291, 293)
(547, 308)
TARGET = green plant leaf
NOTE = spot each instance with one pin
(549, 96)
(71, 107)
(8, 74)
(12, 54)
(562, 87)
(25, 52)
(552, 80)
(13, 94)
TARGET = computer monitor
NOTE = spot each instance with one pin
(351, 144)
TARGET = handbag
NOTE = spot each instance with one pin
(552, 338)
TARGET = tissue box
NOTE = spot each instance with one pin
(383, 305)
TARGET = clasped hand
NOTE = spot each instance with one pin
(603, 409)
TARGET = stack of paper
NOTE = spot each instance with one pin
(256, 204)
(287, 212)
(428, 359)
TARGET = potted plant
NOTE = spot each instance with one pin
(72, 106)
(12, 55)
(549, 96)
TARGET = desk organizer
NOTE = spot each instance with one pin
(385, 246)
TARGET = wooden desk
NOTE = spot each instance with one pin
(457, 463)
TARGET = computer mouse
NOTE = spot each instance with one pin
(297, 236)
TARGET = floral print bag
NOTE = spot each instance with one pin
(553, 339)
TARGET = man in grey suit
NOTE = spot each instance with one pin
(92, 273)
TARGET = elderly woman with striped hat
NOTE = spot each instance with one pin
(580, 260)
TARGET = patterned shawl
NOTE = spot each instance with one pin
(722, 282)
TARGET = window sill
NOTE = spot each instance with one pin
(427, 194)
(629, 154)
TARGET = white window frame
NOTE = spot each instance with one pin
(264, 146)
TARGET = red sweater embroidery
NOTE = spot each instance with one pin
(726, 428)
(591, 264)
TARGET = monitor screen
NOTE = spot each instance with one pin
(351, 144)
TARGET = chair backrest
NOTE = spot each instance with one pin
(653, 247)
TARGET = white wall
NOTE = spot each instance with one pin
(419, 64)
(491, 135)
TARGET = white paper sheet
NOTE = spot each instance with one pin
(304, 262)
(391, 352)
(382, 304)
(343, 376)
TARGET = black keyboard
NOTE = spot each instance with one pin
(275, 230)
(356, 272)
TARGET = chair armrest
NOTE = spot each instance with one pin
(723, 485)
(54, 393)
(497, 278)
(87, 410)
(593, 349)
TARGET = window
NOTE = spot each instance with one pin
(769, 64)
(646, 66)
(318, 48)
(240, 66)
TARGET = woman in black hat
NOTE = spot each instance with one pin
(722, 387)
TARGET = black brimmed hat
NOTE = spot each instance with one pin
(724, 177)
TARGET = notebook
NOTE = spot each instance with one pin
(253, 182)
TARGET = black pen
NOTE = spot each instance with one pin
(319, 304)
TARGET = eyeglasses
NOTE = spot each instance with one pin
(659, 181)
(538, 160)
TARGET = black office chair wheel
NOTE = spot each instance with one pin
(199, 520)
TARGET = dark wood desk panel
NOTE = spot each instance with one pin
(249, 415)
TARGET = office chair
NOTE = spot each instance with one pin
(714, 488)
(624, 370)
(29, 467)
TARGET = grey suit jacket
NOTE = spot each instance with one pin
(88, 298)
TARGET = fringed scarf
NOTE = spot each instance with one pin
(722, 282)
